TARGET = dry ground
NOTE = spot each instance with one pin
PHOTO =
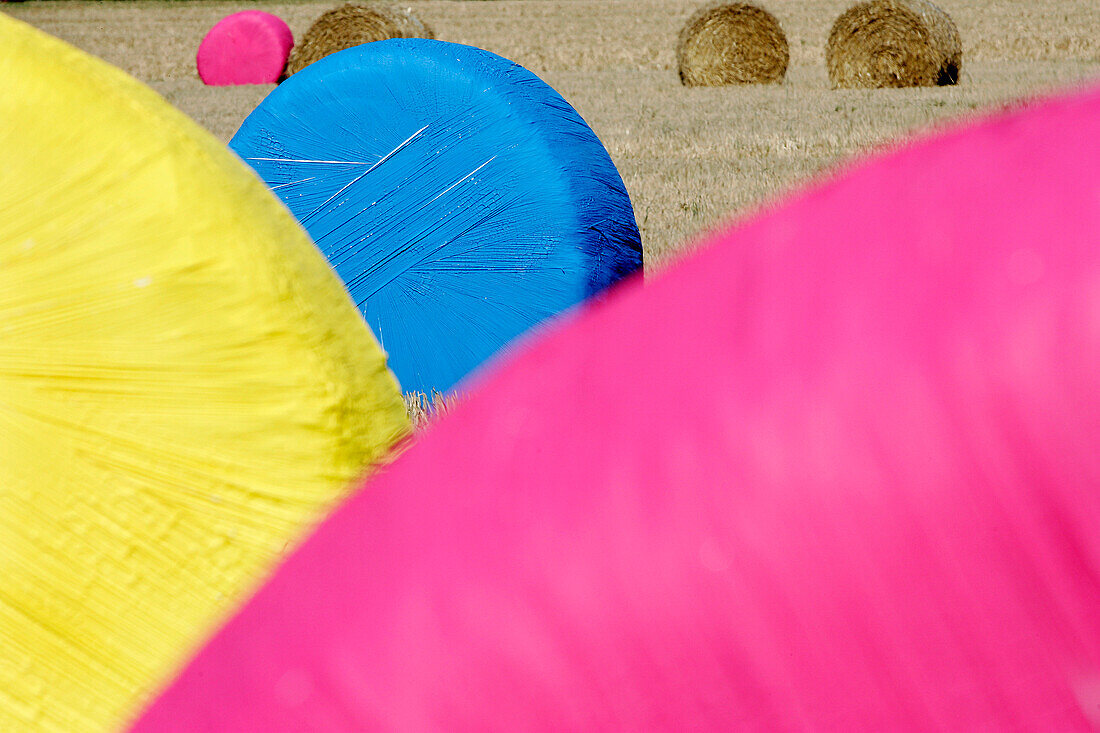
(690, 157)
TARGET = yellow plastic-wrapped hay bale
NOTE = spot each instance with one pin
(894, 43)
(732, 43)
(353, 25)
(185, 387)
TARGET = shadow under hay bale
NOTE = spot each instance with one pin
(894, 43)
(732, 43)
(353, 25)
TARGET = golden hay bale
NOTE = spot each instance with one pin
(353, 25)
(894, 43)
(732, 43)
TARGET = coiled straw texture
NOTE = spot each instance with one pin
(731, 43)
(353, 25)
(894, 43)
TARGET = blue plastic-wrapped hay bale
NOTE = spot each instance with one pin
(460, 198)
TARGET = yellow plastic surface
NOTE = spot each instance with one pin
(184, 387)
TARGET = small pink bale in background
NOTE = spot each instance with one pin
(250, 47)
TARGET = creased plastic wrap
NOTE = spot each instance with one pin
(461, 199)
(851, 484)
(184, 386)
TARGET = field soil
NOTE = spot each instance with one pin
(691, 158)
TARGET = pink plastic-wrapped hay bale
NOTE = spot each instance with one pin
(851, 482)
(250, 47)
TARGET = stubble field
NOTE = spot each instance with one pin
(690, 158)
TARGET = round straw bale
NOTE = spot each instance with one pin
(894, 43)
(249, 47)
(585, 531)
(461, 199)
(353, 25)
(185, 386)
(731, 43)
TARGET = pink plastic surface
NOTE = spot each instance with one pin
(250, 47)
(840, 471)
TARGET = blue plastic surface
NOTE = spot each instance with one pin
(460, 198)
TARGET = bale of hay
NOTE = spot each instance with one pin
(732, 43)
(353, 25)
(249, 47)
(185, 386)
(461, 199)
(894, 43)
(881, 516)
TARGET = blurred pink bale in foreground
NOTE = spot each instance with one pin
(841, 471)
(249, 47)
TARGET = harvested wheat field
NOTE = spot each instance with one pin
(691, 157)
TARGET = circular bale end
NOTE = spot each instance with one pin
(732, 43)
(353, 25)
(894, 43)
(250, 47)
(462, 200)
